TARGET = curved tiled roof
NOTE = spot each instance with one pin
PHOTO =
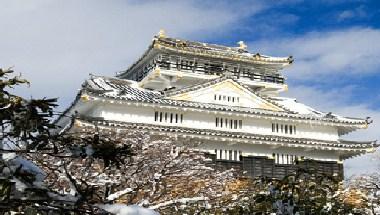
(119, 89)
(235, 53)
(263, 139)
(207, 50)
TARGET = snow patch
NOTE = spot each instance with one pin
(182, 201)
(119, 193)
(8, 156)
(121, 209)
(293, 105)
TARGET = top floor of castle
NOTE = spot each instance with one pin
(173, 63)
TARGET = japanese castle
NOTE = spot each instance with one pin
(228, 101)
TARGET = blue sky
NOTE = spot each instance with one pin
(294, 20)
(335, 43)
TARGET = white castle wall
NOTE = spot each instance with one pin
(268, 151)
(203, 120)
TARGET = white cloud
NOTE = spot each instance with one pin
(358, 12)
(325, 55)
(56, 44)
(347, 14)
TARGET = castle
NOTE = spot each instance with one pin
(225, 98)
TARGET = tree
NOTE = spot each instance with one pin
(88, 166)
(363, 192)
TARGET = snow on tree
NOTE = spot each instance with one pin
(129, 166)
(92, 165)
(363, 191)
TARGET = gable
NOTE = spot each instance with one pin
(226, 92)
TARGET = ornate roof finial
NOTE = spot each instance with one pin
(161, 33)
(242, 45)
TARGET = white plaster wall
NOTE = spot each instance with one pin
(250, 149)
(202, 120)
(198, 120)
(125, 113)
(317, 132)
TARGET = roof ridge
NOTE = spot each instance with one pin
(240, 54)
(202, 44)
(215, 47)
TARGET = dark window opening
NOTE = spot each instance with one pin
(155, 115)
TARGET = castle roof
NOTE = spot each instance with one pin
(113, 90)
(218, 51)
(239, 54)
(347, 148)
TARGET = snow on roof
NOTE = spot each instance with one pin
(127, 89)
(293, 105)
(115, 88)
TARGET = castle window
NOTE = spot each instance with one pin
(156, 116)
(228, 123)
(229, 99)
(283, 128)
(167, 117)
(229, 155)
(284, 159)
(178, 63)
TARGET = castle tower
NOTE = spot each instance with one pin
(226, 99)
